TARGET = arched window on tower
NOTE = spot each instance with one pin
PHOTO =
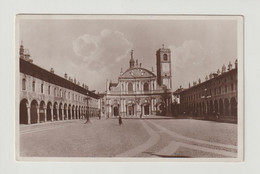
(33, 86)
(165, 57)
(146, 87)
(24, 84)
(130, 87)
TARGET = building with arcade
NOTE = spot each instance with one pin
(45, 96)
(139, 91)
(216, 97)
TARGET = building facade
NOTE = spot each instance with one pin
(45, 96)
(215, 97)
(139, 92)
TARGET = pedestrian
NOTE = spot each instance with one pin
(120, 120)
(87, 115)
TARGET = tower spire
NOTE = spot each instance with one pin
(132, 61)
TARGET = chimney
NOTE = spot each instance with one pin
(52, 70)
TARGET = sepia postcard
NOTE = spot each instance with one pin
(160, 88)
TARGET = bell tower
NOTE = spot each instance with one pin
(163, 63)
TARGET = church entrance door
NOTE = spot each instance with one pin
(131, 110)
(146, 109)
(116, 113)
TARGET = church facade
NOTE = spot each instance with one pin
(139, 91)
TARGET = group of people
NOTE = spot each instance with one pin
(120, 121)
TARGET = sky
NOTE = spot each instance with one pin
(93, 51)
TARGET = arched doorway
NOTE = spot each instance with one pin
(49, 105)
(65, 112)
(130, 110)
(69, 112)
(226, 102)
(211, 107)
(216, 107)
(23, 112)
(55, 113)
(73, 112)
(79, 112)
(33, 111)
(116, 113)
(76, 112)
(233, 104)
(42, 114)
(221, 107)
(146, 109)
(60, 111)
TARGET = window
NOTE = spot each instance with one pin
(33, 86)
(55, 92)
(130, 87)
(232, 87)
(60, 93)
(68, 95)
(165, 57)
(42, 88)
(49, 90)
(219, 90)
(24, 84)
(226, 88)
(146, 87)
(65, 94)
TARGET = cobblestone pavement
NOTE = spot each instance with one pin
(147, 137)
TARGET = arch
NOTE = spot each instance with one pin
(65, 112)
(55, 112)
(130, 87)
(116, 112)
(76, 112)
(60, 111)
(146, 86)
(146, 109)
(130, 109)
(211, 107)
(73, 112)
(69, 112)
(165, 57)
(226, 103)
(23, 112)
(42, 112)
(49, 112)
(233, 104)
(33, 111)
(221, 107)
(216, 107)
(79, 112)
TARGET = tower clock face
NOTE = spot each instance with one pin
(165, 67)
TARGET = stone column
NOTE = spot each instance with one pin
(62, 114)
(45, 114)
(38, 114)
(29, 114)
(51, 113)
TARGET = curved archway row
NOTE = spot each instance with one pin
(221, 107)
(33, 112)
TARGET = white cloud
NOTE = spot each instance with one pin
(103, 50)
